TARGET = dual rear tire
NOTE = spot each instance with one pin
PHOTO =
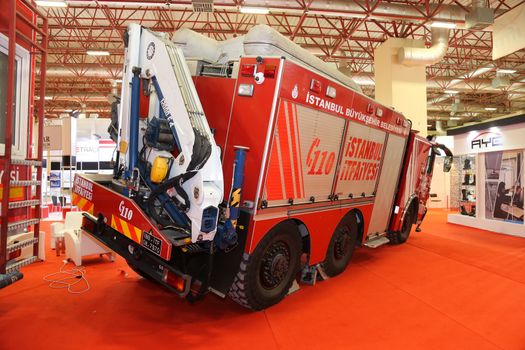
(341, 247)
(265, 277)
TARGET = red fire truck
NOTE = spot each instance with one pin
(316, 168)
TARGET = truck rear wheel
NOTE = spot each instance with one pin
(341, 246)
(265, 277)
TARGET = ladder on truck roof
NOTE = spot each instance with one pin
(25, 211)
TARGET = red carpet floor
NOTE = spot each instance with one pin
(449, 287)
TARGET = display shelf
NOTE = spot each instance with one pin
(467, 185)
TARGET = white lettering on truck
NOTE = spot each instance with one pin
(353, 114)
(14, 175)
(124, 211)
(83, 188)
(322, 103)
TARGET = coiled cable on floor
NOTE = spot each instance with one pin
(68, 279)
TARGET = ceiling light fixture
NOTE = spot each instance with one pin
(480, 71)
(439, 24)
(51, 3)
(255, 10)
(491, 109)
(506, 71)
(455, 118)
(97, 53)
(451, 92)
(338, 14)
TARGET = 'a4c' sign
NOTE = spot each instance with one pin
(486, 140)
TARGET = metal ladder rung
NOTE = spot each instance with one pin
(26, 162)
(22, 204)
(16, 183)
(22, 224)
(12, 247)
(17, 265)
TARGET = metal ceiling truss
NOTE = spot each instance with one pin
(345, 32)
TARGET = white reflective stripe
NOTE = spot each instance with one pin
(295, 121)
(277, 143)
(290, 148)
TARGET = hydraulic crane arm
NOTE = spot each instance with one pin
(191, 186)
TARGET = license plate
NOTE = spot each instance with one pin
(152, 243)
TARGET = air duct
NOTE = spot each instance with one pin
(416, 56)
(439, 127)
(480, 15)
(501, 81)
(202, 5)
(356, 8)
(102, 73)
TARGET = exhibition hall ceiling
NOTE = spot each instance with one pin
(467, 85)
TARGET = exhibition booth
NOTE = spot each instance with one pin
(488, 181)
(71, 146)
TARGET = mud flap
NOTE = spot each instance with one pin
(226, 264)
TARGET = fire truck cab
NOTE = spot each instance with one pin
(308, 166)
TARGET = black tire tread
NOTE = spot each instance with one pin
(395, 237)
(238, 289)
(242, 289)
(332, 272)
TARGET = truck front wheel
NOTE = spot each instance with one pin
(265, 277)
(402, 235)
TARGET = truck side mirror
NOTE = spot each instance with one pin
(447, 164)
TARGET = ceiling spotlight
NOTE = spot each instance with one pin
(255, 10)
(506, 71)
(97, 53)
(491, 109)
(439, 24)
(451, 92)
(51, 3)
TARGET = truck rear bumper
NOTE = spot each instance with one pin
(140, 259)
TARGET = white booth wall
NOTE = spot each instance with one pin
(84, 141)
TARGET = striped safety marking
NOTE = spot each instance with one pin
(15, 193)
(82, 204)
(127, 229)
(285, 170)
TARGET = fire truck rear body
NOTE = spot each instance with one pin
(320, 155)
